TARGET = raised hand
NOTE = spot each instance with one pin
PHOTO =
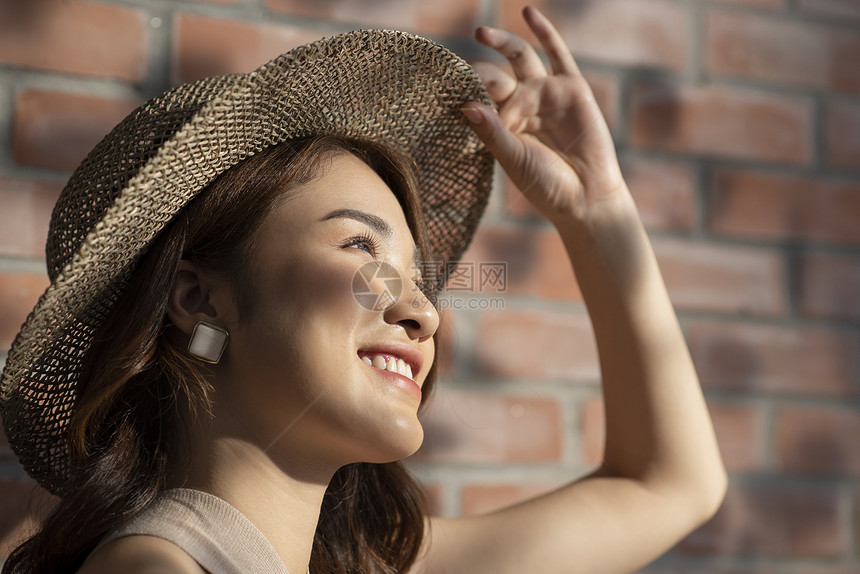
(549, 134)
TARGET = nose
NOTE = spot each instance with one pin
(414, 312)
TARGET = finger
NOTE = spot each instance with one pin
(522, 57)
(503, 144)
(520, 112)
(560, 59)
(499, 83)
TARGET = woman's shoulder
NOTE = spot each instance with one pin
(140, 554)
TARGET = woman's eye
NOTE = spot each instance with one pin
(367, 244)
(364, 246)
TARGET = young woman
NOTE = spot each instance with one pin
(204, 390)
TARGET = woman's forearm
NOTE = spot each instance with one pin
(658, 429)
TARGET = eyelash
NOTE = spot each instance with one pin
(365, 239)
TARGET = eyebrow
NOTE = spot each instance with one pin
(373, 221)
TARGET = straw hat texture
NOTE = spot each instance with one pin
(382, 85)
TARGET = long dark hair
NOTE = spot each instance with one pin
(139, 395)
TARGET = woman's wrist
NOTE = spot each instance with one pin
(609, 249)
(613, 214)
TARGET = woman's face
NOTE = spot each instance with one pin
(296, 379)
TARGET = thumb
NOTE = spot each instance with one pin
(503, 144)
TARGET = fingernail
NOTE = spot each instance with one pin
(473, 114)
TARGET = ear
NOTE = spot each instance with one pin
(195, 297)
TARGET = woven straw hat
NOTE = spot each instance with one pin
(383, 85)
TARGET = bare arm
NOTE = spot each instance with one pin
(662, 474)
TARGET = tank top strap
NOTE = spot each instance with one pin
(219, 537)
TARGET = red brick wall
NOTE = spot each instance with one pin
(738, 125)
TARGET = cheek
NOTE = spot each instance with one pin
(303, 313)
(331, 286)
(323, 283)
(306, 287)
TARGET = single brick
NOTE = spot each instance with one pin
(27, 206)
(442, 17)
(208, 46)
(711, 277)
(532, 344)
(57, 130)
(18, 296)
(819, 439)
(664, 191)
(651, 33)
(535, 260)
(798, 53)
(721, 121)
(842, 135)
(772, 206)
(829, 284)
(481, 428)
(87, 38)
(778, 520)
(778, 359)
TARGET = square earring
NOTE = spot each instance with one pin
(208, 342)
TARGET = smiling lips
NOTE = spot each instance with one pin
(387, 362)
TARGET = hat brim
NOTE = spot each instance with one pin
(382, 85)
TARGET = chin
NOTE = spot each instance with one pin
(394, 451)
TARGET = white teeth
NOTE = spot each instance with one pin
(393, 364)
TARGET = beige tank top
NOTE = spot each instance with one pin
(219, 537)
